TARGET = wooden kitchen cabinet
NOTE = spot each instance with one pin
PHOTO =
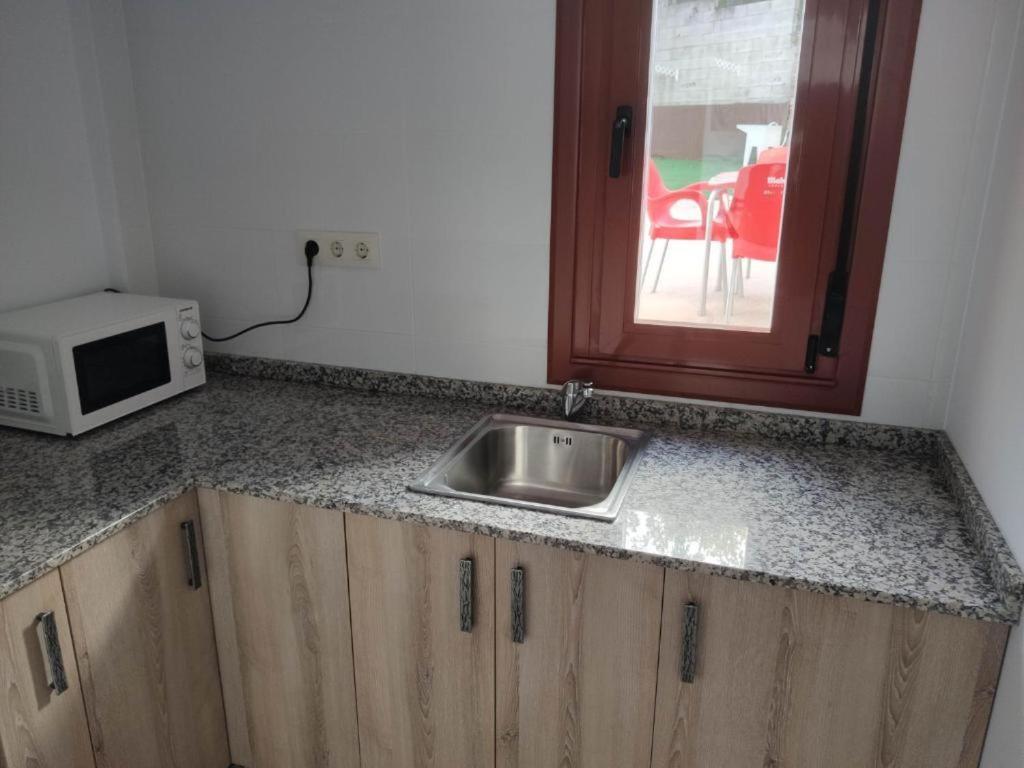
(348, 640)
(278, 580)
(40, 726)
(576, 686)
(795, 678)
(144, 640)
(423, 641)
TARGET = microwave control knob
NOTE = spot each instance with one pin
(192, 357)
(189, 329)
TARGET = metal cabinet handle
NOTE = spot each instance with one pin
(688, 661)
(49, 643)
(466, 595)
(620, 131)
(518, 605)
(192, 572)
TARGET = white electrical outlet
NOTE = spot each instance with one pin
(343, 249)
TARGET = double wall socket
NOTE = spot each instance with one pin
(343, 249)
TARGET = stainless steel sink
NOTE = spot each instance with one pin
(552, 466)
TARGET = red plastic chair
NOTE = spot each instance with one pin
(668, 225)
(773, 155)
(754, 219)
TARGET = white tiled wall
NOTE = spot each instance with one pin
(430, 122)
(51, 240)
(73, 212)
(108, 102)
(945, 166)
(986, 413)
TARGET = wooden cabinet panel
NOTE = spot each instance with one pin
(580, 690)
(795, 678)
(425, 688)
(939, 685)
(145, 647)
(278, 581)
(38, 727)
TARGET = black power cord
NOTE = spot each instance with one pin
(312, 249)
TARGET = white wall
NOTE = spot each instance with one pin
(51, 241)
(108, 97)
(427, 121)
(986, 409)
(60, 222)
(945, 163)
(430, 122)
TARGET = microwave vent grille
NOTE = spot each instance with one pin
(18, 399)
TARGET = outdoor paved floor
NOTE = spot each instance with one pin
(677, 300)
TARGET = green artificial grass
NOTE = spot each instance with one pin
(678, 172)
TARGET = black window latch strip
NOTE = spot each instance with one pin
(827, 343)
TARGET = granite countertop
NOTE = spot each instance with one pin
(884, 514)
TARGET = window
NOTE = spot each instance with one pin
(723, 177)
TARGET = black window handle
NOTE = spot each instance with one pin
(620, 131)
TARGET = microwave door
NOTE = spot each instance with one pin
(115, 371)
(115, 368)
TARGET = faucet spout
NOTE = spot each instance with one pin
(575, 394)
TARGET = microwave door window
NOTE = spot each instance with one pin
(115, 368)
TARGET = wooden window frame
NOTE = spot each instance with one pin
(575, 324)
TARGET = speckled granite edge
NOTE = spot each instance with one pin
(605, 408)
(39, 570)
(985, 534)
(1011, 583)
(1002, 565)
(167, 476)
(1005, 614)
(994, 554)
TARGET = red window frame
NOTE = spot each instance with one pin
(852, 86)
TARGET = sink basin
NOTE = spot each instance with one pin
(551, 466)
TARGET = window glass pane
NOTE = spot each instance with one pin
(722, 90)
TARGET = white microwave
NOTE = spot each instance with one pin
(72, 365)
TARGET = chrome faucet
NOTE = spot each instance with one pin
(575, 394)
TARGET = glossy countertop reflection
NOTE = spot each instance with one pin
(867, 523)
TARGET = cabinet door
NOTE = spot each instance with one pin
(280, 602)
(425, 676)
(795, 678)
(579, 688)
(40, 726)
(144, 640)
